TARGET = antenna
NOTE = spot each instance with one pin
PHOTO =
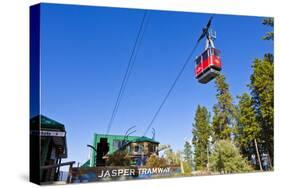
(153, 133)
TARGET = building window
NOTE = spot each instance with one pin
(137, 148)
(152, 148)
(129, 148)
(117, 144)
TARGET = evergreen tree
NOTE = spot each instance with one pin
(269, 36)
(262, 91)
(226, 158)
(248, 128)
(172, 158)
(224, 111)
(268, 22)
(201, 133)
(188, 153)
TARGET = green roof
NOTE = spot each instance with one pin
(86, 164)
(144, 139)
(46, 123)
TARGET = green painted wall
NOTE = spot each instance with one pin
(110, 139)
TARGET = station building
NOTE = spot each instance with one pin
(138, 148)
(48, 147)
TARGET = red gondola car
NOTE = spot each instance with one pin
(208, 65)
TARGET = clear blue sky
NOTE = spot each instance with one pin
(85, 51)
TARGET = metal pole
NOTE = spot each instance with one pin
(182, 168)
(92, 153)
(90, 146)
(208, 157)
(127, 134)
(269, 159)
(129, 130)
(209, 141)
(153, 133)
(257, 151)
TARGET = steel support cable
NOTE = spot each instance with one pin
(133, 58)
(177, 78)
(171, 88)
(128, 68)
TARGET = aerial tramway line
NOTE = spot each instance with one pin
(207, 66)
